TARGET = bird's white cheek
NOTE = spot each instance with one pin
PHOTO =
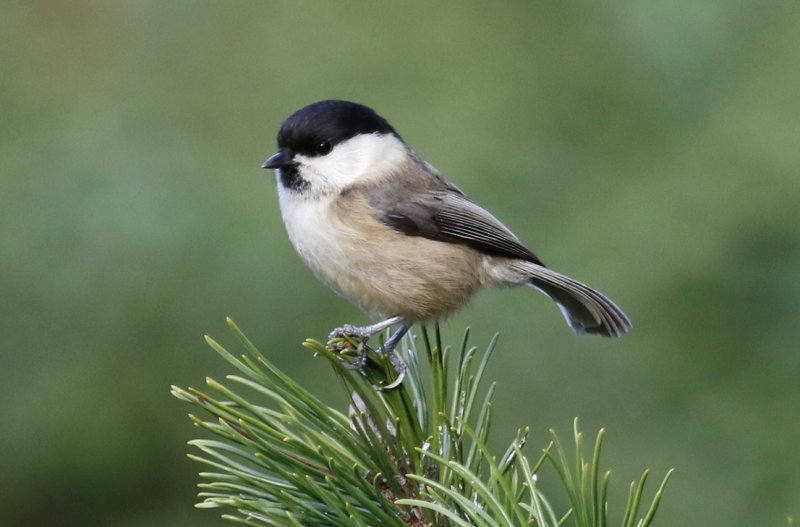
(360, 157)
(332, 172)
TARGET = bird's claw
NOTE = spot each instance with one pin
(351, 343)
(348, 333)
(348, 339)
(400, 369)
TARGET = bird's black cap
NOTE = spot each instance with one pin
(329, 122)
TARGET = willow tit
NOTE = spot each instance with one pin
(384, 229)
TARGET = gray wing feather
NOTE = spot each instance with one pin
(435, 208)
(462, 218)
(423, 203)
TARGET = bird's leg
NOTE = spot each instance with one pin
(388, 346)
(363, 333)
(397, 364)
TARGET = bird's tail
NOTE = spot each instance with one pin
(586, 310)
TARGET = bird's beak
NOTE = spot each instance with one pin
(282, 159)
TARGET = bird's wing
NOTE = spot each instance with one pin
(442, 212)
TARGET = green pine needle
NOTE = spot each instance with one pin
(413, 455)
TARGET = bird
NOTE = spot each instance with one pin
(387, 231)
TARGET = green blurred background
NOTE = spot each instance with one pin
(651, 149)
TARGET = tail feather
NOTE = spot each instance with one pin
(586, 310)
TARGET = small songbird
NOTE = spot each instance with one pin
(384, 229)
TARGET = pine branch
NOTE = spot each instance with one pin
(412, 455)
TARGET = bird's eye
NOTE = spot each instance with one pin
(324, 148)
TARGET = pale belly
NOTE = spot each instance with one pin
(383, 271)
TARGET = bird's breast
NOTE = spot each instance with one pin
(382, 271)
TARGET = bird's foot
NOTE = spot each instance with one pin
(349, 338)
(400, 369)
(348, 335)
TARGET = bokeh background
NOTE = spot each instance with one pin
(651, 149)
